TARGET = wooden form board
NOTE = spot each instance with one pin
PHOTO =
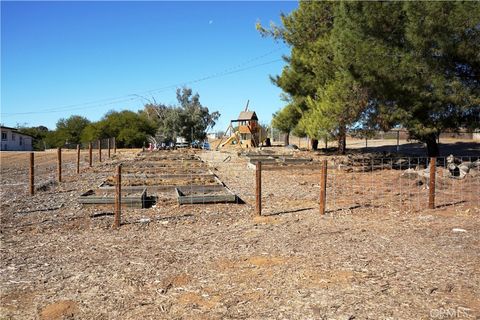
(152, 188)
(187, 195)
(278, 166)
(169, 188)
(169, 176)
(281, 159)
(132, 198)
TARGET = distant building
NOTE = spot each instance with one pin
(13, 140)
(213, 136)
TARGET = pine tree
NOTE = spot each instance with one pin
(383, 64)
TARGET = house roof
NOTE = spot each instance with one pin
(8, 128)
(16, 131)
(247, 115)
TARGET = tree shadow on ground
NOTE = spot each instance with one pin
(416, 149)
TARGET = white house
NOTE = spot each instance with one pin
(213, 136)
(12, 140)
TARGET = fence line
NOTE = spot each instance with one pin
(398, 184)
(409, 183)
(44, 169)
(336, 184)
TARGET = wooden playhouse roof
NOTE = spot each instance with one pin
(247, 115)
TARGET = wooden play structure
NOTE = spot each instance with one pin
(248, 133)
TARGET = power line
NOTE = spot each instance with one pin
(136, 96)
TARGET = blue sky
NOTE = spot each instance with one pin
(65, 58)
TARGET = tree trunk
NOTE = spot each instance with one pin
(314, 144)
(287, 138)
(432, 146)
(342, 140)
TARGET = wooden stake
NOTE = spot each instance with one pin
(99, 150)
(118, 198)
(323, 187)
(398, 140)
(78, 158)
(431, 194)
(258, 189)
(32, 173)
(89, 154)
(59, 164)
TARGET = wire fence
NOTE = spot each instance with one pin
(403, 184)
(281, 184)
(44, 170)
(396, 184)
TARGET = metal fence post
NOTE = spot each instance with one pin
(32, 174)
(431, 194)
(323, 187)
(114, 145)
(108, 146)
(118, 198)
(59, 164)
(258, 189)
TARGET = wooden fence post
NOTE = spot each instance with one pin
(323, 187)
(59, 164)
(114, 145)
(398, 140)
(118, 198)
(89, 154)
(258, 189)
(32, 174)
(78, 158)
(99, 150)
(431, 193)
(108, 145)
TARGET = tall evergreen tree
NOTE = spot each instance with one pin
(383, 64)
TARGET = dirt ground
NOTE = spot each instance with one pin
(377, 254)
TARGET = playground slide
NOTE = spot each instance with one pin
(232, 137)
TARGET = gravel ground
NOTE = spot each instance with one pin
(377, 261)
